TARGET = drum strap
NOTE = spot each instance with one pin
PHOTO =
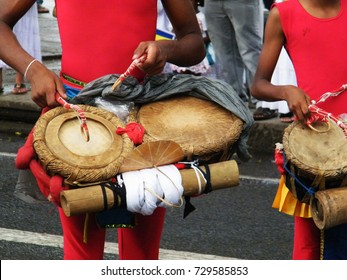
(207, 176)
(291, 172)
(119, 194)
(189, 207)
(319, 181)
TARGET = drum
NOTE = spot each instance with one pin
(92, 199)
(315, 158)
(62, 149)
(328, 207)
(205, 130)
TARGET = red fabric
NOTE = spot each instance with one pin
(25, 153)
(142, 242)
(135, 132)
(41, 177)
(106, 44)
(180, 165)
(279, 161)
(50, 187)
(306, 240)
(74, 247)
(317, 48)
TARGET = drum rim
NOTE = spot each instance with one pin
(77, 175)
(328, 173)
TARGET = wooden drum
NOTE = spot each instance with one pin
(315, 158)
(62, 149)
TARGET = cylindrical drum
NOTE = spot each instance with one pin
(97, 198)
(329, 207)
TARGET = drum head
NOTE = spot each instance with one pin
(202, 128)
(319, 153)
(62, 148)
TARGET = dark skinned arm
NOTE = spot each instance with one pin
(262, 88)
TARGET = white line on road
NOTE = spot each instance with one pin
(56, 241)
(8, 155)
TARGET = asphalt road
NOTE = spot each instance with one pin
(231, 223)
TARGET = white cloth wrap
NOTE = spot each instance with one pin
(166, 183)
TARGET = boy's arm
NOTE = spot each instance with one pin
(262, 88)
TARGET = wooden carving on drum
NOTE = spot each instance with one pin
(315, 158)
(62, 149)
(202, 128)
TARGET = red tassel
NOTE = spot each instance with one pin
(279, 158)
(135, 132)
(56, 186)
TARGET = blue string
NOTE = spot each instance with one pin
(310, 190)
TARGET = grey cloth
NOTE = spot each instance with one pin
(167, 85)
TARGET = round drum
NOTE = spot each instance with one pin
(316, 157)
(202, 128)
(62, 148)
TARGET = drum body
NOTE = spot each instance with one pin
(204, 130)
(316, 158)
(62, 149)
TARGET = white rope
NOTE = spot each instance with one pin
(150, 188)
(198, 173)
(326, 95)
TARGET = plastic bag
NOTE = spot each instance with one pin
(120, 109)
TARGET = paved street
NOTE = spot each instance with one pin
(232, 223)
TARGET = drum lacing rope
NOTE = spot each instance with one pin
(309, 190)
(322, 115)
(80, 115)
(201, 174)
(189, 207)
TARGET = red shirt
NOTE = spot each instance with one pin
(317, 48)
(99, 37)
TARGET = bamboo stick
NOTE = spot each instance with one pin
(91, 199)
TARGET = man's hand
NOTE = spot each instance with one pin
(44, 85)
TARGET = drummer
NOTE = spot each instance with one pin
(309, 30)
(99, 39)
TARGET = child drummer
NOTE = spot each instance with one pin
(313, 33)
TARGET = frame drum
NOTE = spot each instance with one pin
(62, 148)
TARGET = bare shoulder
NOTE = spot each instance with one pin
(273, 23)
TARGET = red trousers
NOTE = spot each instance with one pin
(306, 240)
(139, 243)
